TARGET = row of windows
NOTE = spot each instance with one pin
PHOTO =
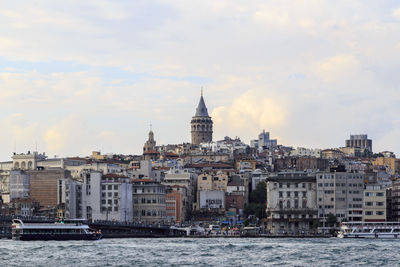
(149, 190)
(293, 185)
(376, 213)
(144, 200)
(296, 204)
(109, 194)
(340, 177)
(369, 204)
(295, 194)
(371, 194)
(109, 187)
(109, 201)
(103, 209)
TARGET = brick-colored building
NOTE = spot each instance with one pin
(176, 203)
(44, 186)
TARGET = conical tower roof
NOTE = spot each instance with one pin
(201, 110)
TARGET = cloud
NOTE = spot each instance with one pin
(249, 113)
(296, 68)
(396, 13)
(338, 67)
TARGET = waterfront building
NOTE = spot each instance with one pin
(211, 188)
(44, 185)
(148, 200)
(291, 203)
(176, 202)
(201, 124)
(341, 194)
(106, 197)
(235, 196)
(22, 207)
(19, 185)
(183, 178)
(97, 197)
(374, 203)
(360, 141)
(395, 200)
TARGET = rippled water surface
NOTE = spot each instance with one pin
(199, 251)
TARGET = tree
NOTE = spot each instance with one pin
(331, 220)
(259, 195)
(257, 201)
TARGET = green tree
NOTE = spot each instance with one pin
(257, 201)
(259, 195)
(331, 220)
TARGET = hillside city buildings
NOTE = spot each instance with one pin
(298, 189)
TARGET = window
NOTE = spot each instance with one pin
(288, 194)
(115, 187)
(380, 213)
(115, 194)
(369, 194)
(115, 201)
(379, 204)
(109, 194)
(109, 202)
(103, 187)
(368, 204)
(380, 194)
(115, 208)
(304, 194)
(296, 194)
(280, 194)
(368, 213)
(280, 185)
(109, 187)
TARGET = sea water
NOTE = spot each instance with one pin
(202, 252)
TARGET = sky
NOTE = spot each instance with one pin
(79, 76)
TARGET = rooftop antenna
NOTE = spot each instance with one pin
(151, 127)
(202, 91)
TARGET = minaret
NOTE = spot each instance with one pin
(202, 125)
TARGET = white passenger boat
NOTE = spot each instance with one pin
(68, 230)
(369, 230)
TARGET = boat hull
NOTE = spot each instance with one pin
(56, 237)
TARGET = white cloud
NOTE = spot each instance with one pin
(338, 67)
(249, 113)
(245, 54)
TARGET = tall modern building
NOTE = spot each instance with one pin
(201, 124)
(359, 141)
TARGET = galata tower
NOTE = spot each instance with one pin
(202, 125)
